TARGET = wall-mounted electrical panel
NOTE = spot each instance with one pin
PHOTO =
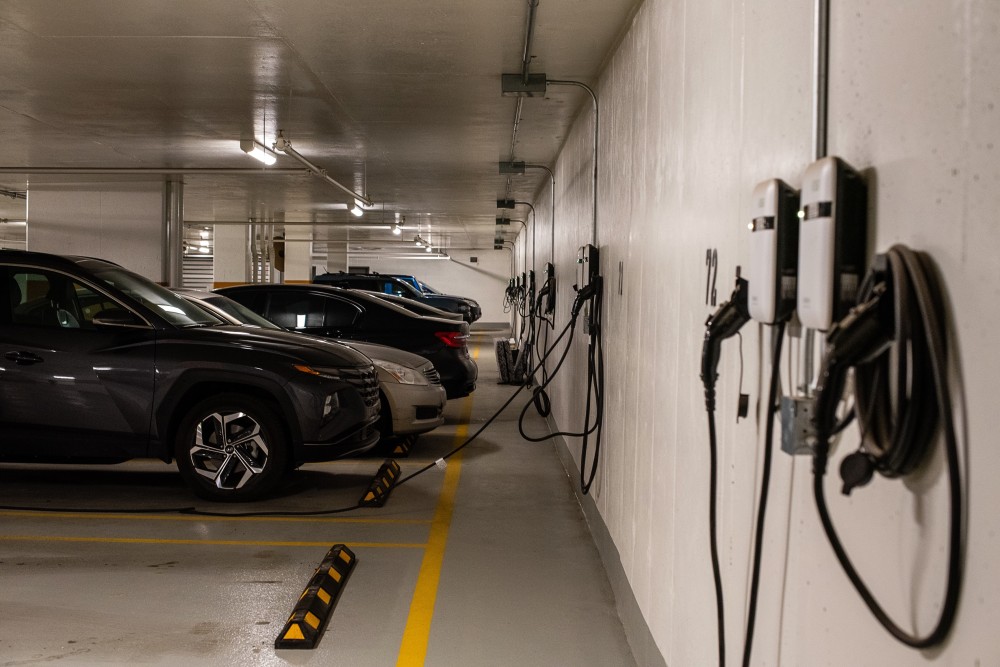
(832, 237)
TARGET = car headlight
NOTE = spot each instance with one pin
(401, 374)
(320, 371)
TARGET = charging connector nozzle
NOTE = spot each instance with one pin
(720, 325)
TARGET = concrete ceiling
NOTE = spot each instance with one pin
(397, 98)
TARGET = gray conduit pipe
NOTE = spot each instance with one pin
(552, 220)
(821, 105)
(597, 112)
(283, 145)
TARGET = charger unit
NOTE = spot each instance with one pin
(588, 268)
(587, 265)
(832, 237)
(550, 297)
(774, 245)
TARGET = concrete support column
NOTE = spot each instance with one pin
(120, 221)
(298, 255)
(231, 253)
(336, 256)
(173, 232)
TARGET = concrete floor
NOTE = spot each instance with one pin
(488, 562)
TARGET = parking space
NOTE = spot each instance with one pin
(462, 563)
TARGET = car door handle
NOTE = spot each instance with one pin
(23, 358)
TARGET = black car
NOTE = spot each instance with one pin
(375, 282)
(338, 313)
(102, 365)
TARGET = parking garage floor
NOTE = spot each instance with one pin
(486, 562)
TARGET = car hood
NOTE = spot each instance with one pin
(390, 354)
(293, 345)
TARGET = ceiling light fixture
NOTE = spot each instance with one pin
(356, 210)
(397, 229)
(428, 249)
(258, 151)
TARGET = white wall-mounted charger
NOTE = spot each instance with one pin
(832, 238)
(774, 240)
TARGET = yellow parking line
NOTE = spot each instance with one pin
(230, 543)
(195, 517)
(413, 648)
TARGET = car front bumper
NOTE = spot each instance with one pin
(414, 408)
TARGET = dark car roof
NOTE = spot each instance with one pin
(359, 297)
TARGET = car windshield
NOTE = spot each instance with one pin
(168, 305)
(240, 312)
(426, 289)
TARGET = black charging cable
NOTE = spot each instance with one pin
(722, 324)
(895, 342)
(765, 483)
(593, 294)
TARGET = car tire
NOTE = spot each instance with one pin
(231, 448)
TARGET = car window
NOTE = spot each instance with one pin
(171, 307)
(240, 312)
(50, 299)
(298, 310)
(392, 287)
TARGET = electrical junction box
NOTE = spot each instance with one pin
(774, 247)
(832, 238)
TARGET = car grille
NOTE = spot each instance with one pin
(432, 375)
(365, 380)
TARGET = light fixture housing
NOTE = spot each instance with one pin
(505, 203)
(356, 210)
(428, 248)
(258, 150)
(397, 229)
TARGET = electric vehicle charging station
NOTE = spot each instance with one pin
(831, 241)
(828, 252)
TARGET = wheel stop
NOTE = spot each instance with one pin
(315, 606)
(403, 446)
(381, 486)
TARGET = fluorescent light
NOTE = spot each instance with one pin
(356, 210)
(258, 151)
(428, 248)
(397, 229)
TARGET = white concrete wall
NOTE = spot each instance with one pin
(703, 99)
(484, 281)
(121, 222)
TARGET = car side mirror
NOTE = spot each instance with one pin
(118, 318)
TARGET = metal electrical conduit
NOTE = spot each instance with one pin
(151, 171)
(529, 33)
(283, 145)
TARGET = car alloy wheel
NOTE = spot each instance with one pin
(232, 447)
(229, 449)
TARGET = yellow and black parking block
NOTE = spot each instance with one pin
(315, 606)
(403, 446)
(378, 491)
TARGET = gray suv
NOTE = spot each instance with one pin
(100, 365)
